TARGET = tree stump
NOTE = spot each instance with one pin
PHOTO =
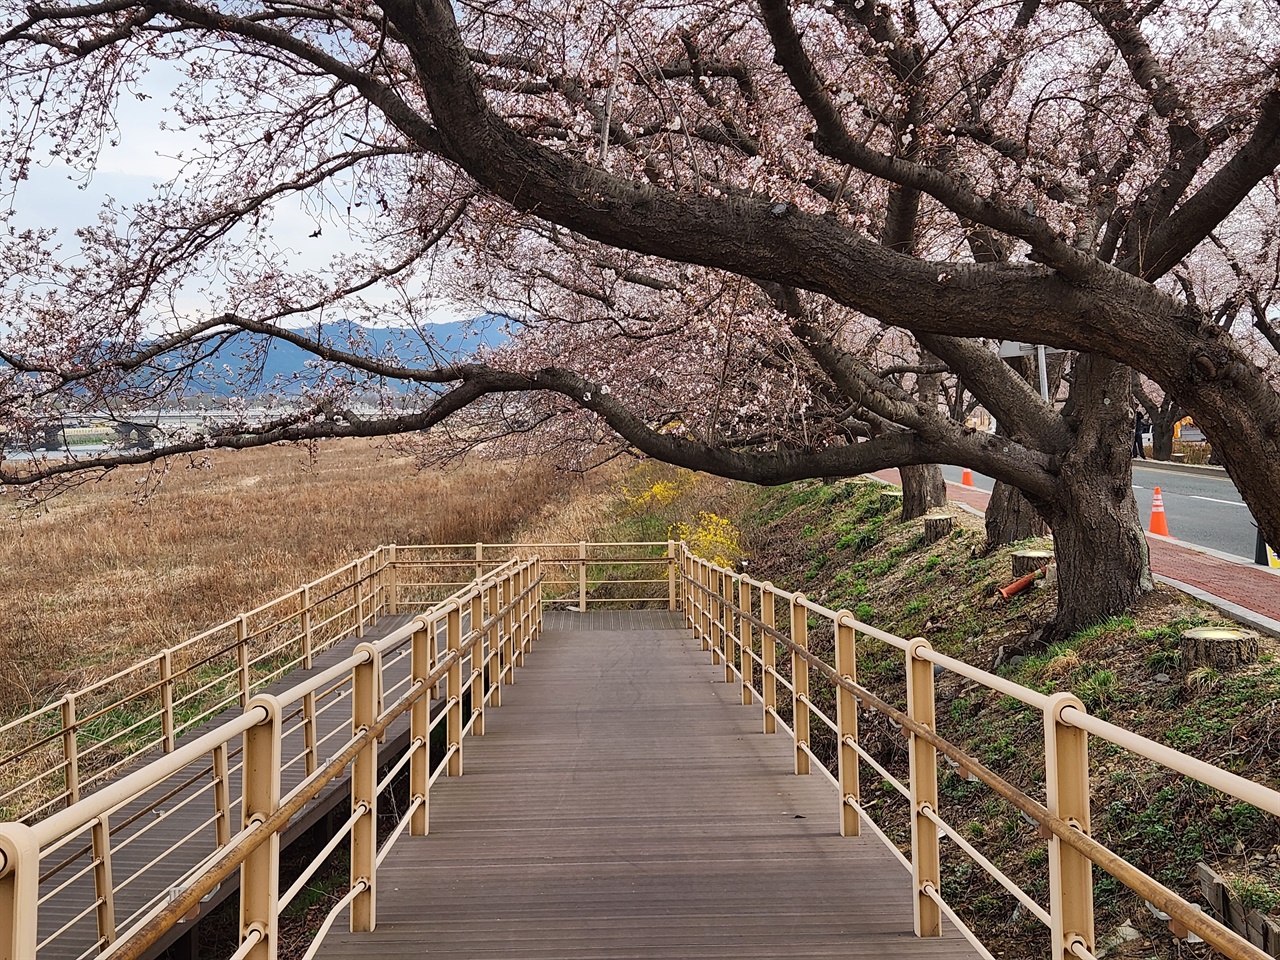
(890, 500)
(1029, 561)
(1219, 647)
(937, 526)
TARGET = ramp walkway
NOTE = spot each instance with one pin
(623, 803)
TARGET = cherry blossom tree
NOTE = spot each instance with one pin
(960, 170)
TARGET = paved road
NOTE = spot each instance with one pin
(1203, 510)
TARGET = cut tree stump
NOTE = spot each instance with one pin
(1219, 647)
(937, 526)
(890, 500)
(1029, 561)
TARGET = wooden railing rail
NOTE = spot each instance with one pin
(729, 612)
(486, 629)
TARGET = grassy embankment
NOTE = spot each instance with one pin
(833, 542)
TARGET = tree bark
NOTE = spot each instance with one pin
(1101, 551)
(923, 488)
(1011, 517)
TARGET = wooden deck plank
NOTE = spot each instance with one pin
(623, 804)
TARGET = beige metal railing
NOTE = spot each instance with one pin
(733, 615)
(471, 644)
(53, 756)
(462, 651)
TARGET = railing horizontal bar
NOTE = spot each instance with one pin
(875, 828)
(69, 924)
(820, 766)
(443, 765)
(875, 765)
(932, 893)
(399, 765)
(399, 829)
(1253, 793)
(360, 887)
(819, 714)
(994, 871)
(93, 806)
(318, 860)
(93, 862)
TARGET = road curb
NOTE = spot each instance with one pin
(1202, 469)
(1234, 610)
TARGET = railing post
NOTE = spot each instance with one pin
(364, 789)
(478, 656)
(671, 575)
(800, 681)
(103, 889)
(768, 658)
(520, 616)
(453, 691)
(729, 630)
(1066, 757)
(510, 591)
(923, 765)
(686, 586)
(242, 655)
(582, 576)
(536, 632)
(420, 730)
(847, 724)
(746, 643)
(308, 641)
(260, 872)
(479, 560)
(310, 739)
(704, 603)
(359, 592)
(393, 582)
(19, 891)
(715, 622)
(494, 641)
(221, 796)
(70, 749)
(166, 700)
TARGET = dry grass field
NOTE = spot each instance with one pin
(95, 579)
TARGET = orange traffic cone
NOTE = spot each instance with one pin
(966, 478)
(1158, 523)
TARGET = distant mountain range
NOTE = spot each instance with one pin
(281, 366)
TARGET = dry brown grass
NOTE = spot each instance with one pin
(93, 580)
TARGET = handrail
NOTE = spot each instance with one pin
(715, 608)
(63, 750)
(492, 623)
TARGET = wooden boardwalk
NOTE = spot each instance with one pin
(624, 804)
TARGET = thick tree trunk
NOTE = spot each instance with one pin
(1162, 439)
(1101, 551)
(1011, 517)
(923, 488)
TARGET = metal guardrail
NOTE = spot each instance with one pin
(733, 615)
(55, 755)
(502, 609)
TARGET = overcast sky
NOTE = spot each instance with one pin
(55, 196)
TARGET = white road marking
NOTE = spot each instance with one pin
(1234, 503)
